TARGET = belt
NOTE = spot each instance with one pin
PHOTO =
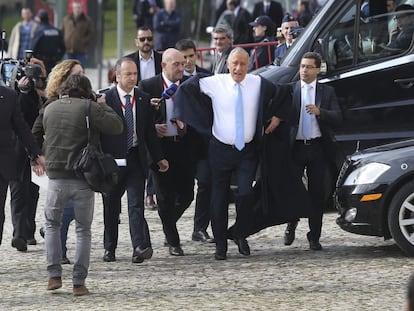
(174, 139)
(228, 145)
(308, 142)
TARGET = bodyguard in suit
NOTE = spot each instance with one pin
(131, 147)
(315, 111)
(175, 188)
(203, 196)
(147, 60)
(273, 9)
(241, 29)
(12, 123)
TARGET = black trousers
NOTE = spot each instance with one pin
(175, 188)
(3, 193)
(203, 197)
(24, 197)
(132, 179)
(313, 158)
(224, 161)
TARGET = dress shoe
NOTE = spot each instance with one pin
(141, 253)
(109, 256)
(19, 244)
(150, 203)
(65, 261)
(314, 244)
(176, 250)
(243, 246)
(201, 236)
(31, 241)
(220, 255)
(54, 283)
(80, 290)
(290, 233)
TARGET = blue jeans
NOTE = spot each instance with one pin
(60, 191)
(68, 216)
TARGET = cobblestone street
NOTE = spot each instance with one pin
(351, 273)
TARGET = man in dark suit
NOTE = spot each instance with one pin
(223, 40)
(315, 111)
(241, 28)
(13, 123)
(148, 60)
(273, 9)
(148, 63)
(203, 197)
(175, 188)
(131, 148)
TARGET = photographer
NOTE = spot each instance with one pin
(25, 194)
(288, 23)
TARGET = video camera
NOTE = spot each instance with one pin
(11, 71)
(295, 31)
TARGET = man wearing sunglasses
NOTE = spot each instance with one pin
(148, 61)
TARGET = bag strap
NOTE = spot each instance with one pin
(88, 119)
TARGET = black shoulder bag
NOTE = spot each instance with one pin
(98, 169)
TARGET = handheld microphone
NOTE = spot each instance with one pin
(168, 93)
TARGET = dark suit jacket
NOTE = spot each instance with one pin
(242, 31)
(12, 123)
(330, 116)
(157, 62)
(145, 129)
(221, 65)
(275, 12)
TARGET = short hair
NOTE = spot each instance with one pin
(238, 50)
(185, 44)
(143, 28)
(410, 293)
(122, 60)
(223, 28)
(76, 86)
(315, 56)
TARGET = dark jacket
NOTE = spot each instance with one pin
(275, 12)
(220, 66)
(146, 134)
(12, 123)
(167, 29)
(242, 31)
(157, 62)
(66, 134)
(265, 54)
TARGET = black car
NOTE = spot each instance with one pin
(375, 193)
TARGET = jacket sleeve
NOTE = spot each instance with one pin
(105, 119)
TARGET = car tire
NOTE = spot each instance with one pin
(401, 218)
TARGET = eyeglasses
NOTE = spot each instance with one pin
(142, 39)
(307, 66)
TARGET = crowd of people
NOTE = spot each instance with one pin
(221, 122)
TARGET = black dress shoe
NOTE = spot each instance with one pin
(314, 244)
(109, 256)
(290, 233)
(140, 254)
(19, 244)
(220, 255)
(201, 236)
(176, 250)
(243, 246)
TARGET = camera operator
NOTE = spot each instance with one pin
(25, 194)
(12, 125)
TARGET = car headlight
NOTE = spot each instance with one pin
(366, 174)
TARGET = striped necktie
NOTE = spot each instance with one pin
(129, 120)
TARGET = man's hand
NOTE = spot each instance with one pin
(163, 165)
(155, 103)
(312, 109)
(39, 168)
(161, 129)
(273, 124)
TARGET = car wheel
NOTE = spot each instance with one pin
(401, 218)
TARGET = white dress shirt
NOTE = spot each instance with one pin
(146, 67)
(316, 132)
(221, 88)
(169, 107)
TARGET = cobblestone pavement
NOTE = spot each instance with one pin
(351, 273)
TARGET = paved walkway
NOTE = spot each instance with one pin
(352, 273)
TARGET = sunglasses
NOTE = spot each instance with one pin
(142, 39)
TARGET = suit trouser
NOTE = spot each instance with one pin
(23, 204)
(3, 193)
(313, 158)
(131, 179)
(203, 196)
(224, 160)
(175, 188)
